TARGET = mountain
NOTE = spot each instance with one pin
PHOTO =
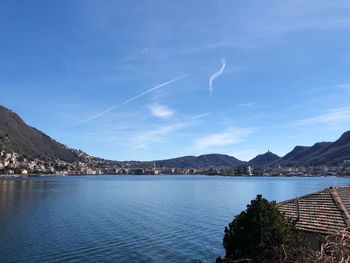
(323, 153)
(202, 161)
(302, 154)
(333, 153)
(17, 136)
(265, 159)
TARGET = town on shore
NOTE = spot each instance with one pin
(26, 151)
(13, 164)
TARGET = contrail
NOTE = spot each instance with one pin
(216, 75)
(133, 98)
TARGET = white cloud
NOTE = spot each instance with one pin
(228, 137)
(334, 116)
(160, 111)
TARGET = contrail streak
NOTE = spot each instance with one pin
(133, 98)
(216, 75)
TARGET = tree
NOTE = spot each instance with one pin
(259, 231)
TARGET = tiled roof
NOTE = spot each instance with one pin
(323, 212)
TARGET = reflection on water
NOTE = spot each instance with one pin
(129, 218)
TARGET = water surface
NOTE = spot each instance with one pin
(130, 218)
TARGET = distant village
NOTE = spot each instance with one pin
(13, 164)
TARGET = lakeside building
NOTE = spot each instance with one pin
(14, 163)
(319, 214)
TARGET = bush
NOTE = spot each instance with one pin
(336, 248)
(259, 232)
(262, 234)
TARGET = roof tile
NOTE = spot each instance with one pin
(323, 212)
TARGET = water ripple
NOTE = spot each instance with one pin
(129, 219)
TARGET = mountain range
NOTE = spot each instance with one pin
(17, 136)
(322, 153)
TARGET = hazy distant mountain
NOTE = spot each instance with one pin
(265, 159)
(17, 136)
(202, 161)
(323, 153)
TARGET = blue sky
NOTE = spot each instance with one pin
(131, 79)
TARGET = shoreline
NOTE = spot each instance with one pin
(17, 176)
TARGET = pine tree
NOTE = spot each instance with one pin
(258, 231)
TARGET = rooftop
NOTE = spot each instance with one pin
(324, 212)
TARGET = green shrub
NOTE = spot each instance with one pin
(259, 231)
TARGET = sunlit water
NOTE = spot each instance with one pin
(130, 218)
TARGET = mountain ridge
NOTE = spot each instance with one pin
(17, 136)
(201, 161)
(322, 153)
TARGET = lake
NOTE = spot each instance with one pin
(130, 218)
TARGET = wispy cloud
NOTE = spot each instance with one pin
(230, 136)
(201, 116)
(321, 24)
(343, 86)
(216, 75)
(133, 98)
(160, 111)
(333, 116)
(211, 46)
(318, 89)
(144, 139)
(247, 104)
